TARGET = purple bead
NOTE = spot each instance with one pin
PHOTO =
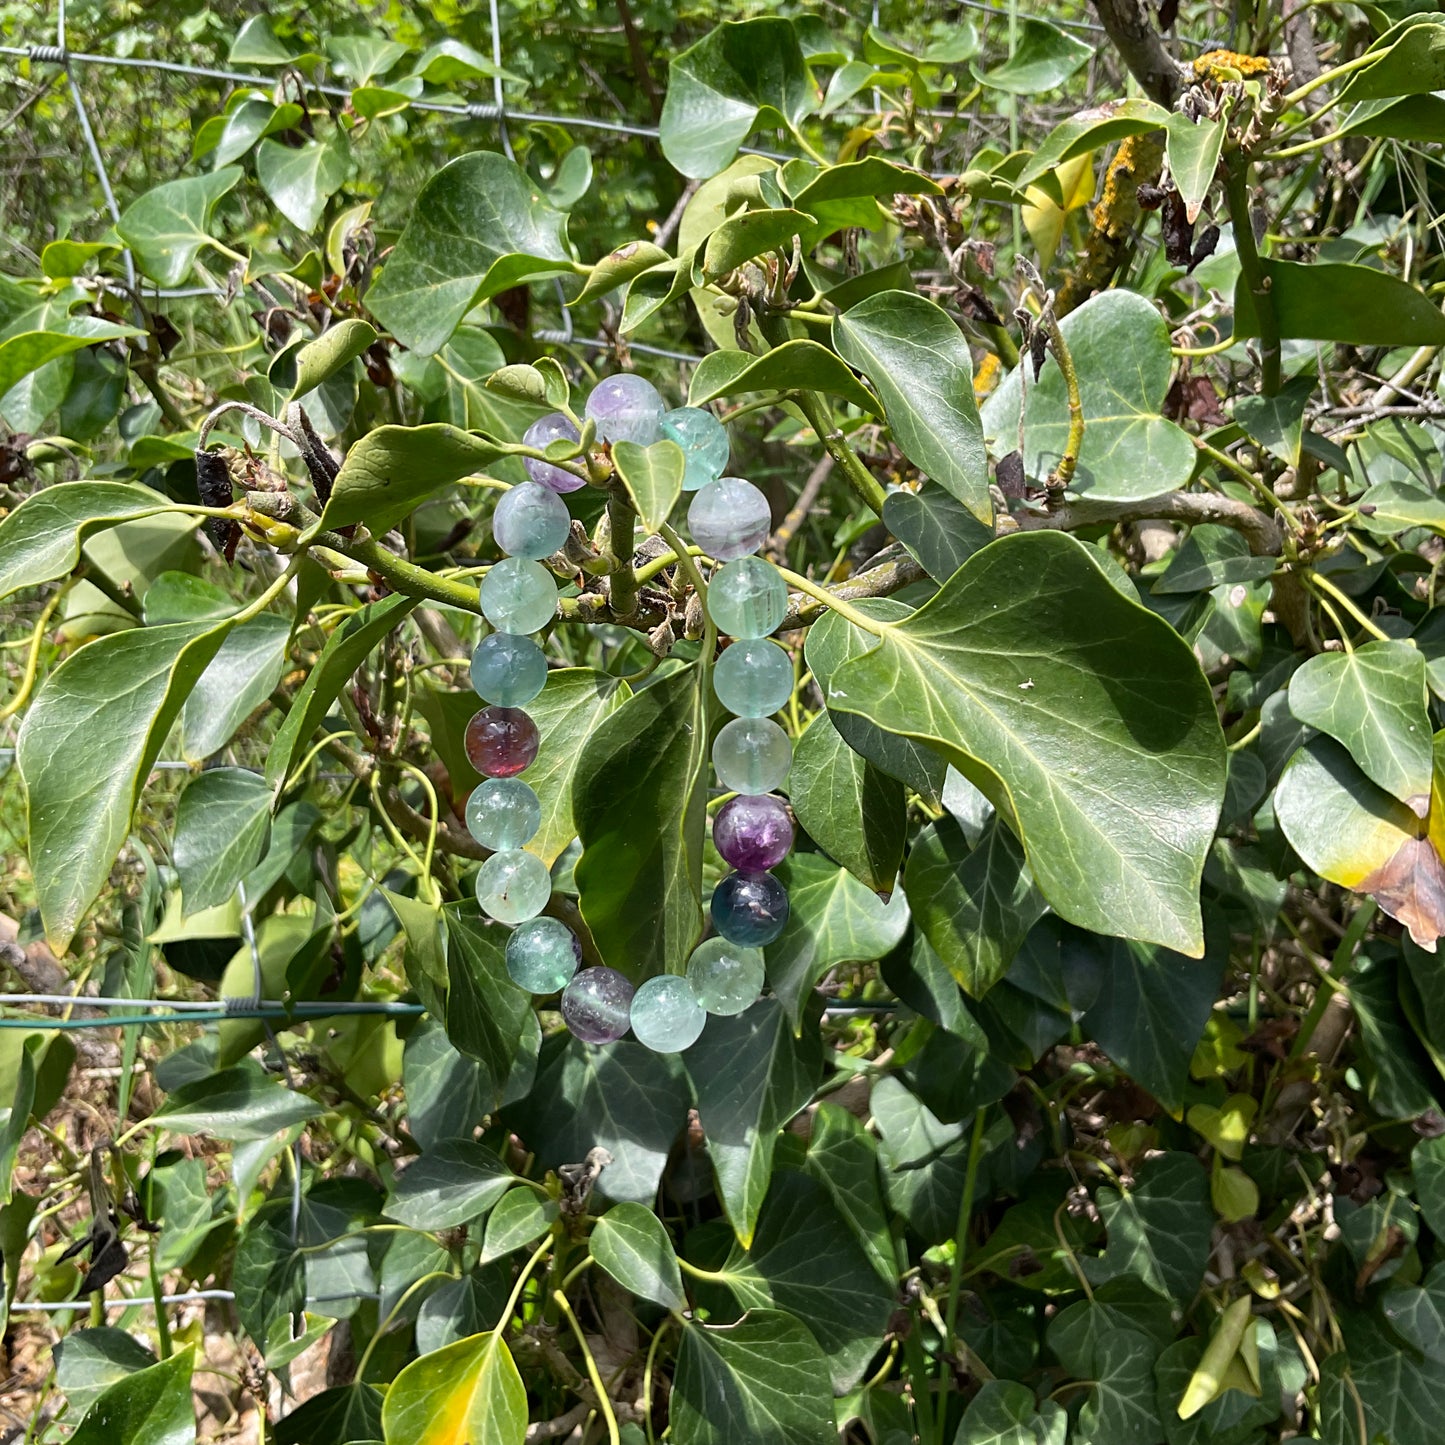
(501, 742)
(597, 1005)
(554, 427)
(753, 832)
(749, 909)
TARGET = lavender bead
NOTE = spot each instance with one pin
(753, 832)
(597, 1005)
(554, 427)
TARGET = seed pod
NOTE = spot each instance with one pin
(213, 486)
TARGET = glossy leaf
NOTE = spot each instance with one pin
(167, 227)
(1005, 1412)
(23, 353)
(337, 346)
(342, 1415)
(452, 1184)
(789, 367)
(237, 680)
(1088, 130)
(1335, 301)
(1412, 62)
(630, 1243)
(521, 1217)
(460, 1395)
(752, 233)
(653, 478)
(301, 179)
(1192, 149)
(88, 1362)
(223, 819)
(238, 1103)
(1043, 57)
(151, 1407)
(486, 1013)
(843, 1158)
(936, 527)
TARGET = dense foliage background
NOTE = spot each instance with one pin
(1092, 371)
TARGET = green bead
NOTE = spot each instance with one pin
(752, 755)
(542, 955)
(508, 670)
(666, 1015)
(704, 443)
(725, 977)
(530, 521)
(513, 886)
(503, 813)
(753, 678)
(747, 598)
(519, 596)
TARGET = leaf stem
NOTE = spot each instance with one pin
(852, 614)
(868, 488)
(593, 1374)
(960, 1234)
(1321, 581)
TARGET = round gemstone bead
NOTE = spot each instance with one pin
(725, 977)
(729, 518)
(666, 1015)
(554, 427)
(752, 755)
(595, 1005)
(505, 813)
(627, 408)
(747, 598)
(752, 678)
(542, 955)
(509, 669)
(513, 886)
(531, 521)
(753, 833)
(749, 909)
(704, 443)
(501, 742)
(519, 596)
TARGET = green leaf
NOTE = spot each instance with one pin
(27, 351)
(268, 1272)
(88, 1362)
(1121, 1407)
(41, 539)
(454, 1183)
(832, 919)
(851, 810)
(342, 1415)
(619, 267)
(1090, 129)
(389, 470)
(919, 363)
(151, 1407)
(741, 75)
(640, 873)
(1234, 1415)
(1005, 1412)
(1428, 1164)
(222, 823)
(1211, 557)
(486, 1012)
(477, 227)
(88, 741)
(446, 1092)
(1158, 1231)
(1043, 58)
(811, 185)
(256, 44)
(1192, 149)
(843, 1158)
(463, 1307)
(237, 680)
(15, 1116)
(346, 649)
(166, 227)
(1120, 347)
(1334, 301)
(1375, 701)
(463, 1394)
(750, 234)
(321, 359)
(1066, 707)
(1400, 1393)
(792, 366)
(653, 478)
(301, 179)
(751, 1074)
(763, 1380)
(936, 527)
(976, 904)
(1411, 118)
(238, 1103)
(1412, 62)
(521, 1217)
(630, 1243)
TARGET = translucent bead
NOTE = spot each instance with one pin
(513, 886)
(542, 955)
(627, 408)
(508, 669)
(554, 427)
(753, 833)
(531, 521)
(752, 755)
(753, 677)
(595, 1005)
(729, 518)
(519, 596)
(747, 598)
(505, 813)
(749, 909)
(666, 1015)
(502, 742)
(725, 977)
(704, 443)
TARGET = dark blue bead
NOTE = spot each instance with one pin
(750, 909)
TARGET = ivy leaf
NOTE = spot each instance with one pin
(619, 267)
(919, 363)
(1091, 129)
(653, 478)
(238, 1103)
(1043, 58)
(1411, 62)
(1122, 1408)
(843, 1158)
(789, 367)
(446, 1092)
(749, 234)
(222, 822)
(477, 227)
(24, 352)
(1066, 706)
(936, 527)
(88, 1362)
(741, 75)
(1211, 557)
(630, 1243)
(335, 348)
(469, 1391)
(88, 741)
(15, 1116)
(237, 680)
(1400, 1392)
(151, 1407)
(166, 227)
(454, 1183)
(1005, 1412)
(640, 873)
(521, 1218)
(763, 1380)
(301, 179)
(486, 1013)
(1233, 1415)
(751, 1074)
(342, 1415)
(1337, 301)
(1120, 346)
(1192, 149)
(463, 1307)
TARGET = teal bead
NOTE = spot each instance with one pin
(503, 813)
(666, 1015)
(704, 443)
(513, 886)
(729, 518)
(747, 598)
(753, 678)
(542, 955)
(725, 977)
(752, 755)
(519, 596)
(531, 521)
(508, 670)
